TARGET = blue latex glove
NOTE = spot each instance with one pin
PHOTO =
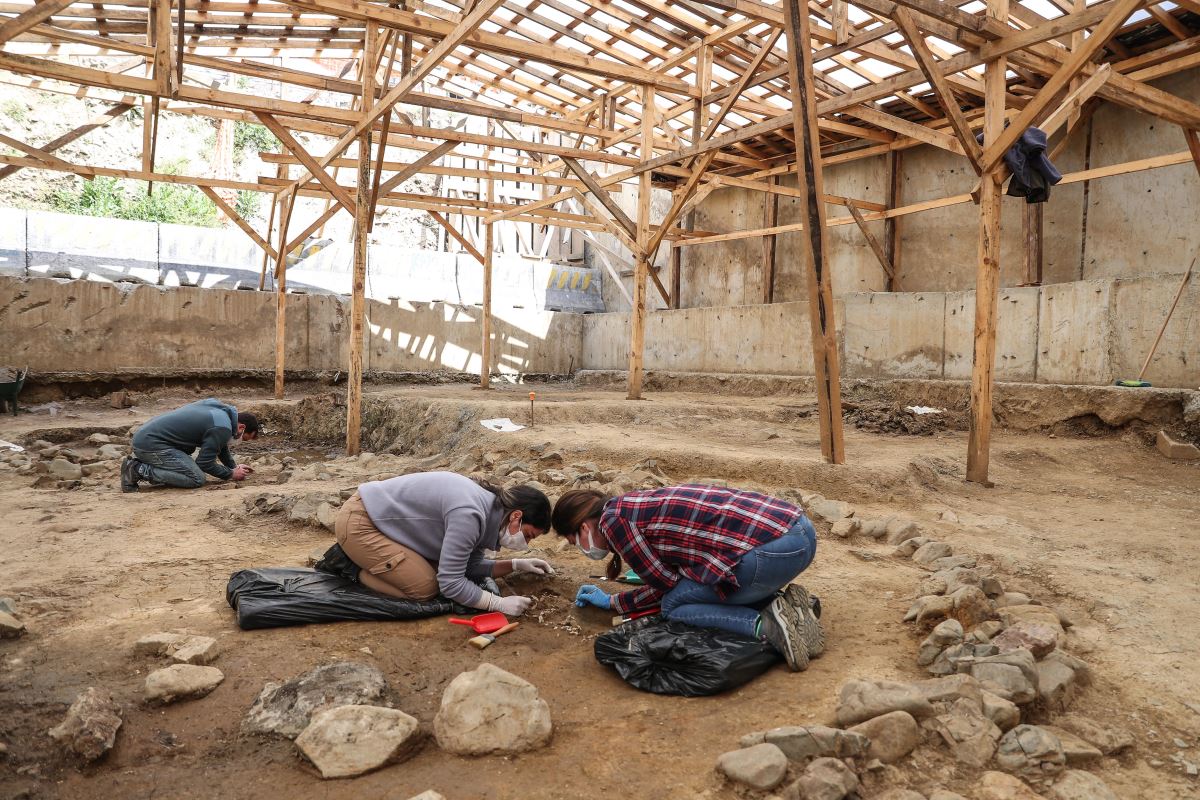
(593, 595)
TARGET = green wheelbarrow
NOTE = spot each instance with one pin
(11, 383)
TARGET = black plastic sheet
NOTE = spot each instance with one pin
(655, 655)
(278, 597)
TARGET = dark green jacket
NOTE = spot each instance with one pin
(206, 424)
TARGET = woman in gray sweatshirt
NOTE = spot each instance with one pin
(419, 535)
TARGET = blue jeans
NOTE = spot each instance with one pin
(170, 466)
(760, 574)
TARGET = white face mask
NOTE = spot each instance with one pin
(513, 541)
(593, 552)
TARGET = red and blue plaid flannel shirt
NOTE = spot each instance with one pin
(695, 532)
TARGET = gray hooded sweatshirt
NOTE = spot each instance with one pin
(447, 518)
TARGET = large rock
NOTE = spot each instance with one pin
(181, 682)
(971, 606)
(929, 607)
(814, 741)
(1109, 741)
(1012, 614)
(181, 647)
(998, 786)
(1012, 675)
(944, 635)
(350, 740)
(762, 767)
(110, 452)
(10, 626)
(901, 530)
(1031, 751)
(932, 551)
(1003, 713)
(90, 727)
(893, 736)
(947, 661)
(488, 710)
(64, 470)
(823, 779)
(288, 708)
(970, 735)
(859, 701)
(830, 510)
(1058, 675)
(899, 794)
(1036, 637)
(1078, 785)
(1077, 750)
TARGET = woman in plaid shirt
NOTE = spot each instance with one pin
(709, 556)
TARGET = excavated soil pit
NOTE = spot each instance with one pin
(1102, 527)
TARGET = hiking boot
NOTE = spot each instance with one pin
(781, 626)
(808, 608)
(129, 474)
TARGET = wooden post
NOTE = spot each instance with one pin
(987, 276)
(289, 203)
(699, 124)
(362, 225)
(1031, 233)
(891, 225)
(485, 356)
(770, 216)
(812, 214)
(641, 270)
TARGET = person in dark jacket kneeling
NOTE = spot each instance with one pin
(163, 447)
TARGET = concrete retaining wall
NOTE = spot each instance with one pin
(51, 245)
(1088, 332)
(92, 327)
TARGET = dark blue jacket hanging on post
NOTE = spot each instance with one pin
(1032, 172)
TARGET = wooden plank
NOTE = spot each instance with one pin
(601, 195)
(812, 212)
(458, 237)
(289, 203)
(1073, 102)
(891, 225)
(876, 247)
(412, 169)
(262, 275)
(1031, 234)
(637, 333)
(314, 167)
(163, 70)
(44, 156)
(133, 174)
(614, 228)
(236, 218)
(941, 87)
(39, 12)
(98, 121)
(987, 276)
(1035, 110)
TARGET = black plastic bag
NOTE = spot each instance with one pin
(274, 598)
(655, 655)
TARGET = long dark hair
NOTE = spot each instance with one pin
(577, 507)
(533, 505)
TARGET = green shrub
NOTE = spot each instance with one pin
(127, 199)
(250, 136)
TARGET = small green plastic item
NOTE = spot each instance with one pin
(631, 577)
(1133, 383)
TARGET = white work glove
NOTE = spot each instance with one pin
(513, 606)
(534, 566)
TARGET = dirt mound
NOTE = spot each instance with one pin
(884, 417)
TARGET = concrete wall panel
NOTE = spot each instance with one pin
(894, 335)
(1139, 308)
(1075, 333)
(12, 241)
(1016, 334)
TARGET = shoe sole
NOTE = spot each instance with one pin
(789, 623)
(811, 632)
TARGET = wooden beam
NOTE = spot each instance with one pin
(1036, 108)
(41, 10)
(642, 266)
(315, 168)
(1193, 142)
(163, 69)
(987, 276)
(98, 121)
(812, 212)
(891, 226)
(601, 195)
(236, 218)
(941, 87)
(770, 215)
(458, 237)
(1074, 101)
(289, 202)
(412, 169)
(1031, 234)
(45, 157)
(876, 247)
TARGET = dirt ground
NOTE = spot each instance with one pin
(1102, 528)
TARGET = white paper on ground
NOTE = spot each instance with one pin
(10, 446)
(501, 425)
(924, 410)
